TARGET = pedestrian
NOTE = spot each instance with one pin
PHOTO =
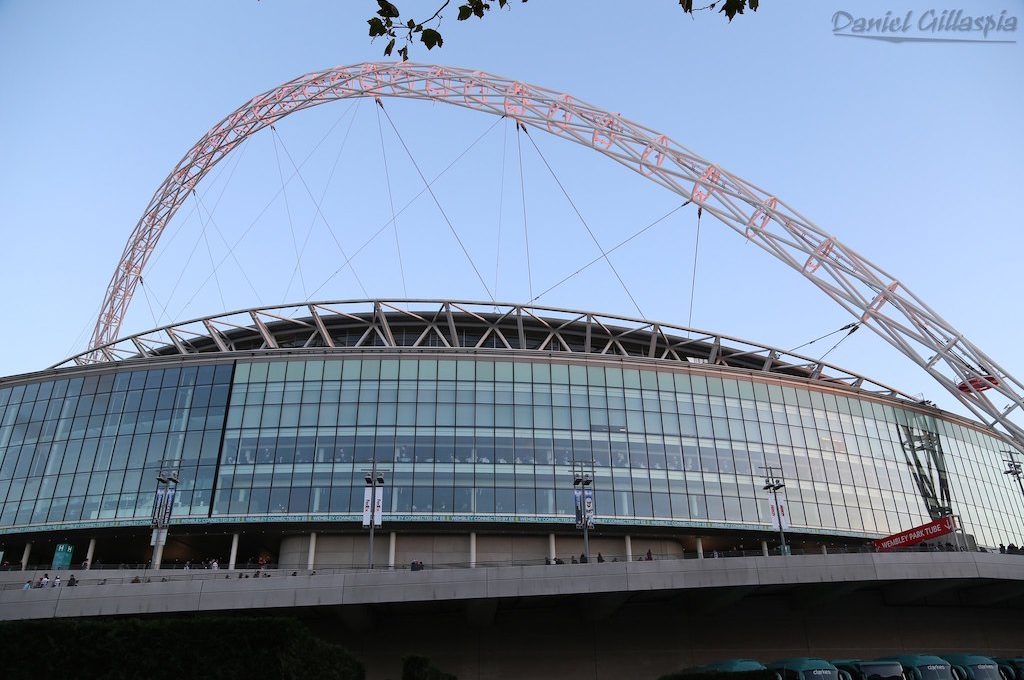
(28, 585)
(1002, 549)
(45, 581)
(188, 565)
(600, 558)
(574, 560)
(136, 580)
(56, 582)
(72, 582)
(583, 558)
(649, 556)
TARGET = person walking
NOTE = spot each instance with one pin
(600, 558)
(648, 557)
(583, 558)
(28, 585)
(56, 582)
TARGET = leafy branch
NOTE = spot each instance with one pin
(388, 21)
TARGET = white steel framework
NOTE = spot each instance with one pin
(460, 325)
(876, 298)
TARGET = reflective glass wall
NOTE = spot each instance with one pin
(498, 438)
(89, 448)
(487, 439)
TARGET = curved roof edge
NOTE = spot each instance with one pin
(462, 324)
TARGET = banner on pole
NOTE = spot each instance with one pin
(367, 503)
(588, 506)
(378, 509)
(919, 534)
(777, 510)
(577, 496)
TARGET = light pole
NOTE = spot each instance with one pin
(1013, 468)
(166, 485)
(583, 494)
(773, 482)
(373, 503)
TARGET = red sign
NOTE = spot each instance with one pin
(933, 529)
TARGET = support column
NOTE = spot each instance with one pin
(234, 551)
(824, 549)
(472, 550)
(311, 555)
(629, 548)
(89, 553)
(158, 548)
(700, 548)
(392, 540)
(764, 548)
(551, 547)
(25, 555)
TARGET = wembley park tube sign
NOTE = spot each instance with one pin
(934, 529)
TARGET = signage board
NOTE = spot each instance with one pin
(367, 502)
(577, 497)
(933, 529)
(62, 556)
(588, 506)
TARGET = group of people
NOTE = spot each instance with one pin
(583, 559)
(45, 582)
(1011, 549)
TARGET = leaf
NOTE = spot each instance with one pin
(431, 38)
(391, 46)
(733, 7)
(410, 24)
(376, 27)
(687, 6)
(404, 51)
(465, 11)
(752, 4)
(387, 10)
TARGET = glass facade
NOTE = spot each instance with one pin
(490, 439)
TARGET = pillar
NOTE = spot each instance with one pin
(764, 548)
(629, 548)
(158, 547)
(89, 553)
(472, 550)
(700, 548)
(312, 550)
(234, 551)
(25, 555)
(551, 547)
(824, 549)
(392, 540)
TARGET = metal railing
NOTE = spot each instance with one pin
(139, 573)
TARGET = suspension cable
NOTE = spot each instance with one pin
(288, 210)
(838, 330)
(853, 327)
(693, 277)
(522, 191)
(149, 304)
(604, 254)
(323, 219)
(269, 203)
(501, 207)
(327, 186)
(391, 201)
(220, 233)
(408, 203)
(611, 250)
(209, 253)
(451, 227)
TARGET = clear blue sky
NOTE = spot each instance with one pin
(910, 153)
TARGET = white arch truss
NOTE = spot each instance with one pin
(874, 297)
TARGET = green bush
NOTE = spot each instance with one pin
(172, 649)
(419, 668)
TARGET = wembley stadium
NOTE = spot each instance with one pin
(433, 464)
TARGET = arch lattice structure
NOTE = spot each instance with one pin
(873, 296)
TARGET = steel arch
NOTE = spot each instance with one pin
(874, 297)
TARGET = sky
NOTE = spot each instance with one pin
(910, 153)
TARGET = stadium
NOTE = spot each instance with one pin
(369, 439)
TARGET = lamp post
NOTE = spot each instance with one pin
(166, 485)
(773, 482)
(371, 499)
(583, 494)
(1013, 468)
